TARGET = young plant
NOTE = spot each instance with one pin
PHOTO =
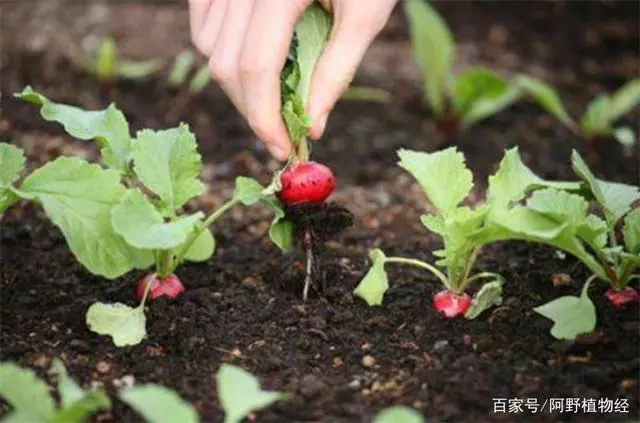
(108, 67)
(562, 219)
(598, 121)
(182, 68)
(128, 215)
(158, 404)
(456, 101)
(446, 181)
(31, 401)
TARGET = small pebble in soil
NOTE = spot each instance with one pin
(441, 346)
(560, 279)
(103, 367)
(355, 384)
(368, 361)
(125, 381)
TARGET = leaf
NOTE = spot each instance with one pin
(11, 164)
(126, 325)
(624, 100)
(433, 49)
(595, 120)
(480, 93)
(281, 230)
(200, 80)
(443, 176)
(546, 97)
(142, 226)
(158, 404)
(28, 395)
(296, 121)
(631, 231)
(203, 247)
(398, 414)
(571, 315)
(614, 198)
(560, 206)
(69, 390)
(593, 231)
(137, 69)
(247, 190)
(625, 136)
(78, 198)
(106, 59)
(181, 67)
(240, 393)
(168, 163)
(489, 295)
(363, 93)
(108, 127)
(376, 282)
(312, 31)
(79, 411)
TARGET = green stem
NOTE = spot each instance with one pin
(585, 288)
(194, 236)
(419, 263)
(302, 151)
(482, 275)
(472, 259)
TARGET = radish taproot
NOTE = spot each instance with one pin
(451, 304)
(306, 182)
(622, 297)
(169, 286)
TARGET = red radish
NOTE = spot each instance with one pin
(306, 182)
(622, 297)
(451, 304)
(169, 286)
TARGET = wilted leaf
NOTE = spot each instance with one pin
(126, 325)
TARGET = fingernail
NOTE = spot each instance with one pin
(277, 151)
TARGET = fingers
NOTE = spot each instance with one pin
(266, 45)
(198, 11)
(356, 24)
(224, 59)
(206, 36)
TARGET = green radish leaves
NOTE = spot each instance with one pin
(376, 282)
(546, 97)
(398, 414)
(11, 165)
(158, 404)
(125, 325)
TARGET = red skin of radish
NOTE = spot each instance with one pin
(622, 297)
(169, 286)
(306, 182)
(450, 304)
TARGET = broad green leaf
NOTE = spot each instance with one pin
(595, 120)
(398, 414)
(281, 230)
(631, 231)
(181, 68)
(25, 393)
(614, 198)
(443, 176)
(142, 226)
(312, 32)
(158, 404)
(624, 100)
(546, 97)
(78, 198)
(240, 393)
(375, 283)
(247, 190)
(126, 325)
(11, 164)
(433, 49)
(362, 93)
(489, 105)
(106, 59)
(593, 231)
(625, 136)
(200, 80)
(69, 390)
(434, 223)
(560, 206)
(571, 315)
(137, 69)
(168, 163)
(79, 411)
(203, 247)
(108, 127)
(488, 296)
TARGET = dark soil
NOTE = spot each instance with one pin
(244, 305)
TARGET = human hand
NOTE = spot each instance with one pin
(247, 42)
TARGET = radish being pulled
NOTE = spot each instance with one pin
(306, 182)
(169, 286)
(451, 304)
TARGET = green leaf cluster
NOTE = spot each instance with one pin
(107, 66)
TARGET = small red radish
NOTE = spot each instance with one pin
(451, 304)
(169, 286)
(306, 182)
(622, 297)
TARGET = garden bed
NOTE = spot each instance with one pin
(244, 306)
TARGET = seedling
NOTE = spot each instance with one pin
(182, 68)
(562, 219)
(456, 101)
(446, 182)
(158, 404)
(31, 401)
(600, 117)
(108, 67)
(128, 215)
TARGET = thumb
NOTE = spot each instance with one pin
(337, 66)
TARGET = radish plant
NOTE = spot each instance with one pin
(446, 181)
(128, 214)
(182, 69)
(31, 401)
(457, 101)
(600, 117)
